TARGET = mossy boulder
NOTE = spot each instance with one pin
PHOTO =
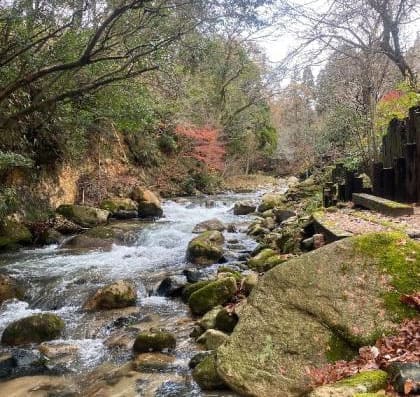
(120, 207)
(270, 201)
(206, 249)
(84, 215)
(249, 282)
(34, 329)
(13, 233)
(213, 294)
(208, 321)
(154, 341)
(191, 288)
(363, 382)
(149, 205)
(120, 294)
(317, 308)
(226, 320)
(212, 339)
(265, 260)
(211, 224)
(9, 289)
(206, 376)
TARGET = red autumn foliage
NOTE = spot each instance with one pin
(207, 146)
(391, 96)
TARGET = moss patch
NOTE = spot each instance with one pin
(398, 257)
(371, 380)
(340, 349)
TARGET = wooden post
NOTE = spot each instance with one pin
(349, 185)
(400, 179)
(377, 181)
(411, 175)
(389, 182)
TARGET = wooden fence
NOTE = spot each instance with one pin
(395, 177)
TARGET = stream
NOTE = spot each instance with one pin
(59, 281)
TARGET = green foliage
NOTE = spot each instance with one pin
(8, 201)
(11, 160)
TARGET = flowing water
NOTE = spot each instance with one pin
(59, 281)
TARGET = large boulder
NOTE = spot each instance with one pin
(154, 341)
(213, 294)
(206, 249)
(212, 339)
(120, 294)
(84, 215)
(13, 233)
(34, 329)
(265, 260)
(244, 208)
(317, 308)
(99, 237)
(148, 203)
(211, 224)
(120, 207)
(9, 289)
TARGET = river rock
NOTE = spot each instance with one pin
(95, 238)
(265, 260)
(198, 358)
(402, 374)
(344, 293)
(153, 362)
(213, 294)
(33, 329)
(194, 275)
(206, 375)
(148, 203)
(117, 295)
(283, 214)
(249, 282)
(270, 201)
(364, 382)
(9, 289)
(56, 350)
(65, 226)
(244, 208)
(211, 224)
(191, 288)
(13, 233)
(208, 321)
(120, 208)
(212, 339)
(154, 341)
(84, 215)
(206, 249)
(226, 320)
(172, 286)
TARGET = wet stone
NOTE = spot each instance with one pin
(405, 376)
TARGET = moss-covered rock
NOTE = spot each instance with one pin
(212, 339)
(205, 374)
(206, 249)
(154, 341)
(191, 288)
(149, 205)
(9, 289)
(84, 215)
(270, 201)
(249, 283)
(208, 321)
(265, 260)
(226, 320)
(120, 207)
(114, 296)
(34, 329)
(364, 382)
(213, 294)
(96, 238)
(345, 293)
(13, 233)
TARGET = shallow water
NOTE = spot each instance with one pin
(59, 281)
